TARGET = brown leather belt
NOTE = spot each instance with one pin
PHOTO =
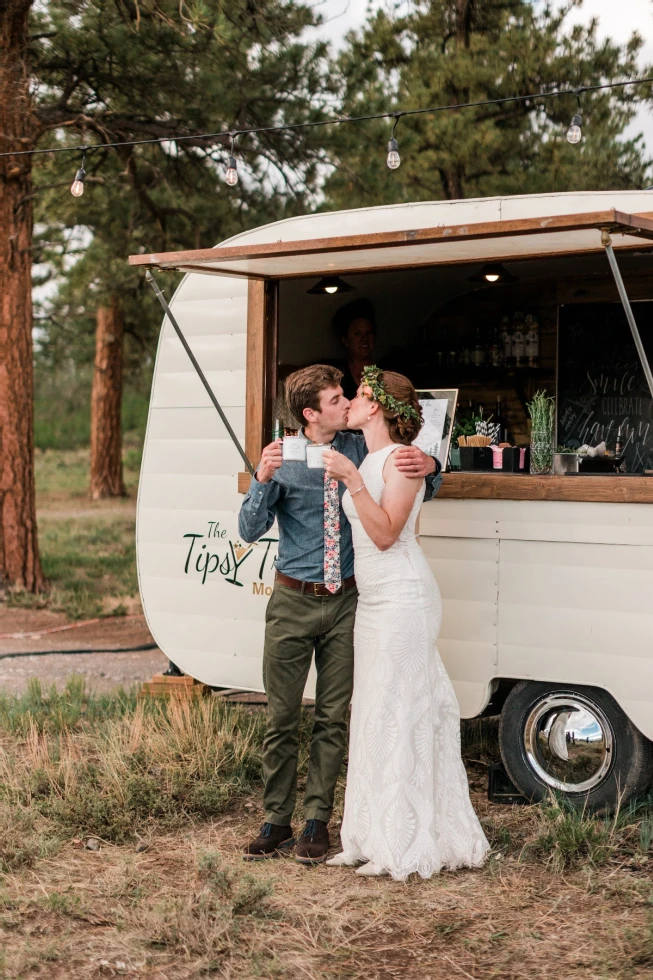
(313, 588)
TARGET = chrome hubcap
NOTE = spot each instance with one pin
(568, 742)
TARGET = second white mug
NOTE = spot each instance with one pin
(315, 456)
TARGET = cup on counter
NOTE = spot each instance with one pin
(315, 456)
(294, 449)
(497, 457)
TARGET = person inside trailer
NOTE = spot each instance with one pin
(355, 325)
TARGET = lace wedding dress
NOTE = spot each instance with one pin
(407, 806)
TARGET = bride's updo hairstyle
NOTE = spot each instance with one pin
(403, 430)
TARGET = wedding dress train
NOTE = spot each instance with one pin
(407, 806)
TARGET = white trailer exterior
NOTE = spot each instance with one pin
(533, 590)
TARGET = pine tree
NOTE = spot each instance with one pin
(116, 70)
(451, 52)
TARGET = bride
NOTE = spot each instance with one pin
(407, 806)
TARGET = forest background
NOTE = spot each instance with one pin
(101, 71)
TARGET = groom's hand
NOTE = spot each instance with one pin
(413, 462)
(271, 460)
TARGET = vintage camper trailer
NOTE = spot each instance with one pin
(546, 580)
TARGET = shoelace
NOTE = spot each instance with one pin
(310, 830)
(266, 830)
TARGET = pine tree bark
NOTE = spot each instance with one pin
(20, 565)
(106, 399)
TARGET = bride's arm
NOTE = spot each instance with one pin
(383, 522)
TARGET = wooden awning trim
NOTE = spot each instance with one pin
(218, 259)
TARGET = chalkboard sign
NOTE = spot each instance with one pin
(601, 384)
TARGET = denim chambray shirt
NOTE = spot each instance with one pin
(295, 497)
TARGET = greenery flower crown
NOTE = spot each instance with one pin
(373, 388)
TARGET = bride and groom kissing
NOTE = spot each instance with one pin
(353, 588)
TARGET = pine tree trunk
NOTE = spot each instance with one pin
(106, 398)
(20, 565)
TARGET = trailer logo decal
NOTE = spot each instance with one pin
(228, 562)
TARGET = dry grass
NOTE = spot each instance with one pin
(188, 907)
(564, 895)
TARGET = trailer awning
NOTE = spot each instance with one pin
(492, 241)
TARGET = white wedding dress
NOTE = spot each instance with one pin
(407, 806)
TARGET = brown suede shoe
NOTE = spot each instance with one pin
(313, 846)
(272, 841)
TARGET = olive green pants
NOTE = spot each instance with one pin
(296, 625)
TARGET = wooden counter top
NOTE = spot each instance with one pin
(478, 485)
(510, 486)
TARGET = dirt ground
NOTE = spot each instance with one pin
(103, 671)
(158, 914)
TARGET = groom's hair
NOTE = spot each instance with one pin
(303, 388)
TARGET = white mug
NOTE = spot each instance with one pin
(315, 456)
(294, 449)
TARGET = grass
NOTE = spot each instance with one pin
(87, 548)
(182, 779)
(57, 712)
(109, 767)
(69, 427)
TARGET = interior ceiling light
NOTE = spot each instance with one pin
(330, 285)
(493, 273)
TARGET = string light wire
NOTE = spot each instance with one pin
(334, 121)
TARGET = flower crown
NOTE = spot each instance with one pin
(373, 388)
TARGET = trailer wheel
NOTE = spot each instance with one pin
(575, 742)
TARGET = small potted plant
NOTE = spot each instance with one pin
(565, 460)
(542, 412)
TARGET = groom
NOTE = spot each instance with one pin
(312, 608)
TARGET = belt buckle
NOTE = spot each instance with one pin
(315, 586)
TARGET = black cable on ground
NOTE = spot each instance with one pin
(47, 653)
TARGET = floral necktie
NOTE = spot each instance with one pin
(331, 535)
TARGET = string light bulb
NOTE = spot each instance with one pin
(232, 172)
(232, 166)
(77, 186)
(575, 133)
(393, 159)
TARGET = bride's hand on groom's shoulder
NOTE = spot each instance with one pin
(411, 461)
(339, 467)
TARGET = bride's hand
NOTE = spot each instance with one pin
(339, 467)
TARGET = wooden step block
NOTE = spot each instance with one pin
(163, 686)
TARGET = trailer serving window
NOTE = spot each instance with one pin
(279, 273)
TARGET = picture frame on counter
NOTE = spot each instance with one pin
(438, 408)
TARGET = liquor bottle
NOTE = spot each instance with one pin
(518, 346)
(495, 351)
(465, 356)
(506, 341)
(532, 342)
(619, 444)
(277, 430)
(500, 421)
(478, 354)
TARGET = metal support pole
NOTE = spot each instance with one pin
(168, 312)
(612, 259)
